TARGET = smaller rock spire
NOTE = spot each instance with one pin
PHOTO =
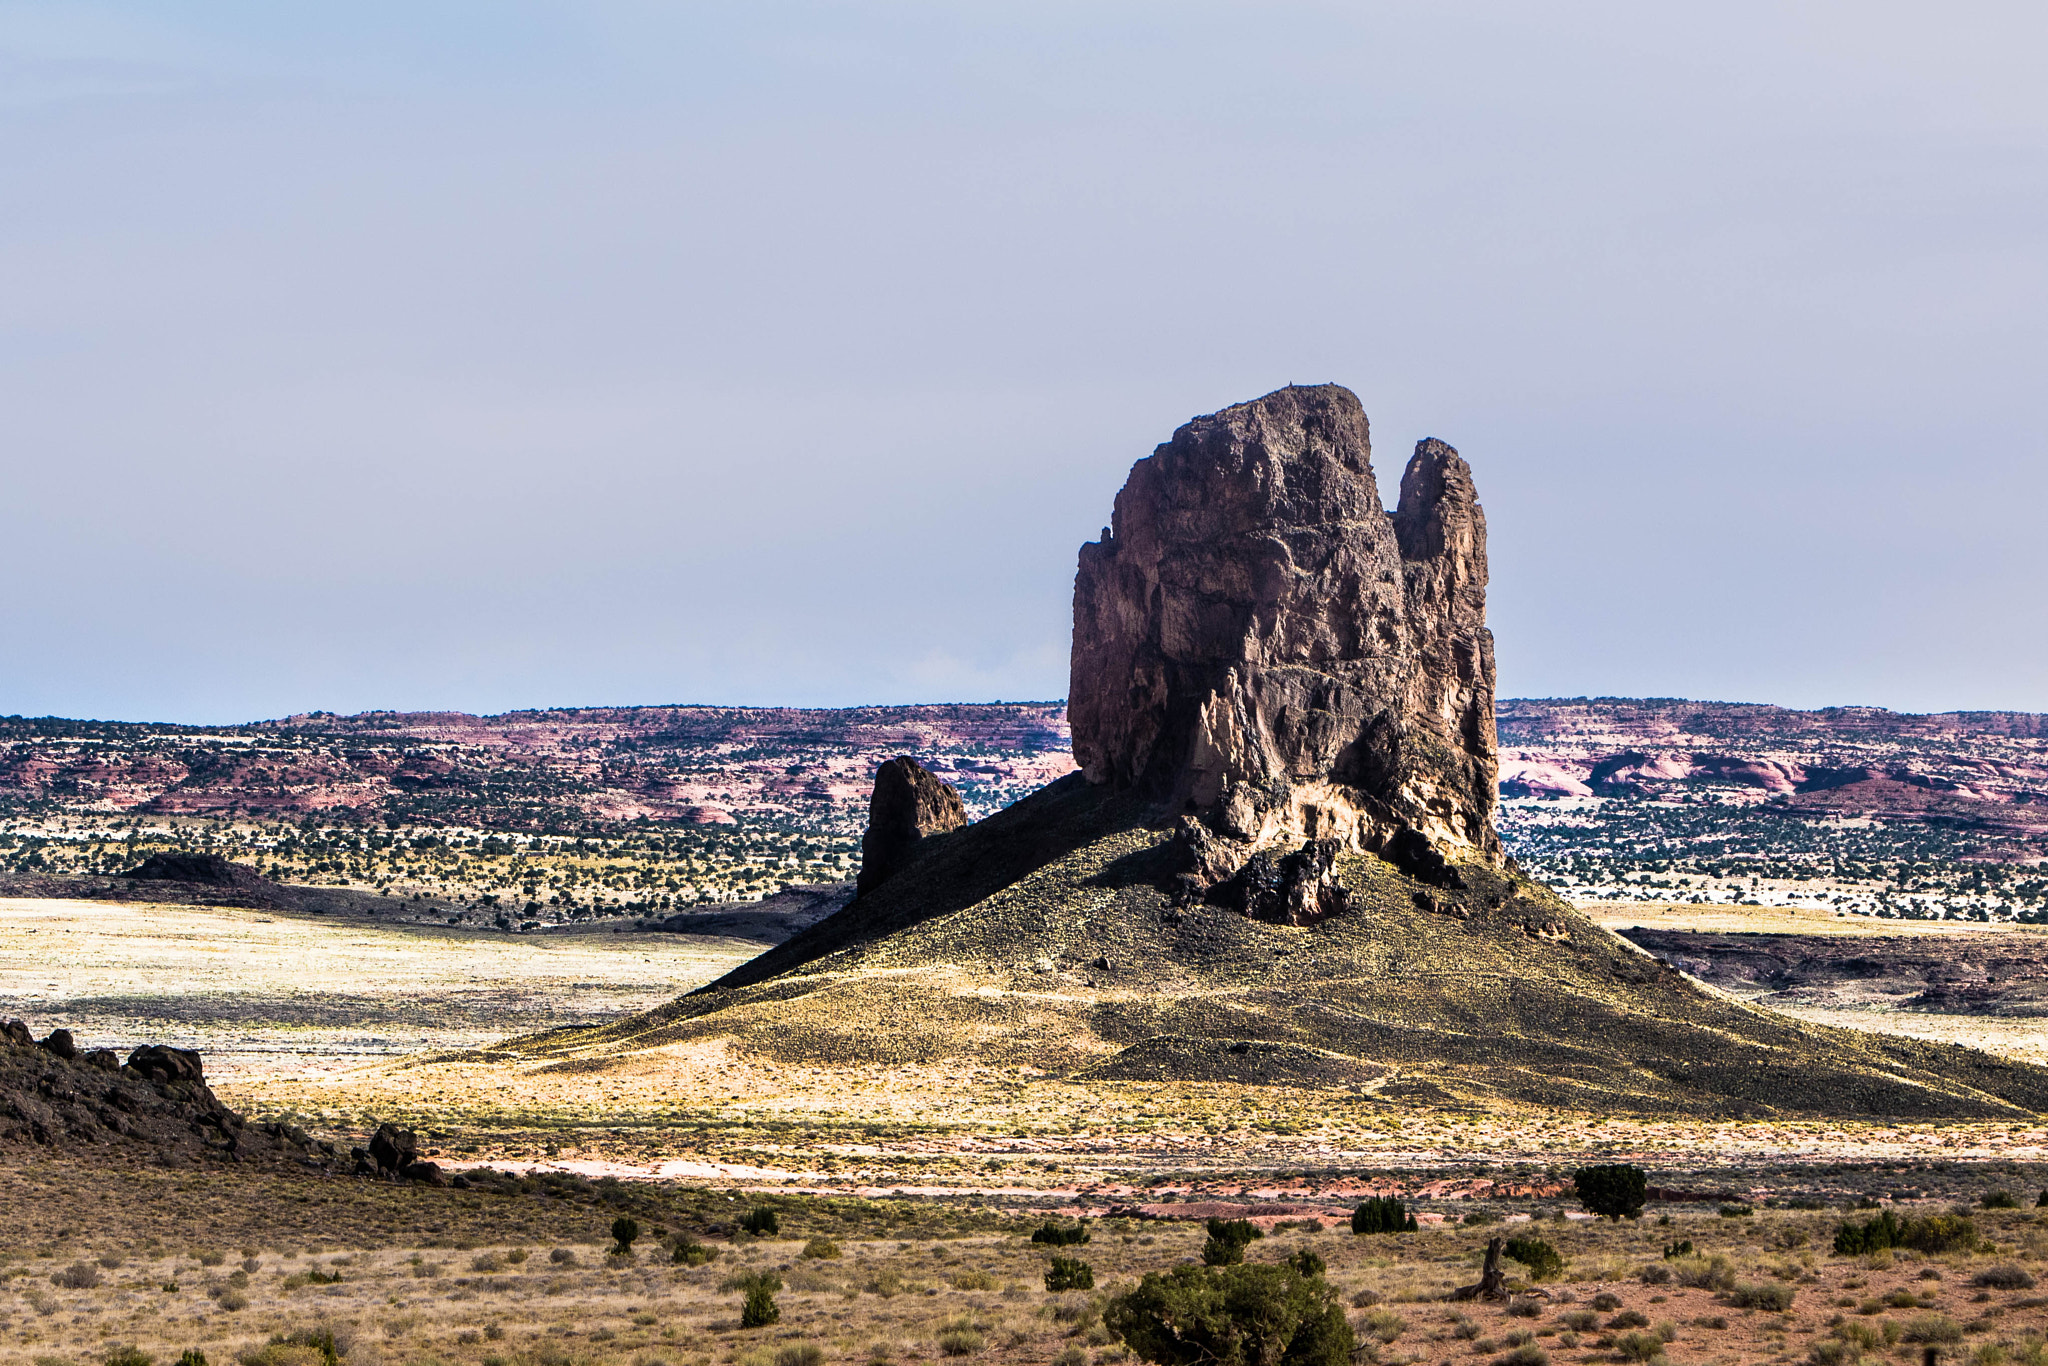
(908, 806)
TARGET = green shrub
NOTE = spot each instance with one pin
(1385, 1325)
(820, 1250)
(192, 1356)
(2000, 1200)
(1934, 1329)
(1941, 1233)
(319, 1340)
(761, 1221)
(1062, 1235)
(1227, 1241)
(1308, 1262)
(1934, 1233)
(128, 1356)
(1638, 1346)
(690, 1252)
(1524, 1354)
(1705, 1273)
(1382, 1215)
(1069, 1273)
(1233, 1315)
(759, 1310)
(1673, 1251)
(1613, 1191)
(1629, 1318)
(960, 1340)
(1540, 1257)
(624, 1231)
(2004, 1277)
(1771, 1295)
(1735, 1211)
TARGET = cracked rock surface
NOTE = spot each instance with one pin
(1258, 642)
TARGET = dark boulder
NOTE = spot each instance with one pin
(394, 1149)
(61, 1043)
(162, 1063)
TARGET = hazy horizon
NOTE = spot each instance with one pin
(445, 357)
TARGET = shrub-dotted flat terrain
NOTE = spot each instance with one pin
(250, 1268)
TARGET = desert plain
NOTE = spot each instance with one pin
(906, 1196)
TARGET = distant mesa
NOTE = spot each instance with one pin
(208, 870)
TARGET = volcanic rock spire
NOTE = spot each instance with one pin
(909, 805)
(1258, 641)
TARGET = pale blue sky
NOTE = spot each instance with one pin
(498, 355)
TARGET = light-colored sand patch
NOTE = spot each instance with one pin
(1660, 915)
(267, 995)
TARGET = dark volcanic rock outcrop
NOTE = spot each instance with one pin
(209, 869)
(909, 805)
(156, 1107)
(1258, 640)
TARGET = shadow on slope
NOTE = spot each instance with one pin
(1041, 939)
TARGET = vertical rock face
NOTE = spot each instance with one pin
(908, 805)
(1258, 641)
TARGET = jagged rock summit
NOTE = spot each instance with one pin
(1256, 639)
(1278, 865)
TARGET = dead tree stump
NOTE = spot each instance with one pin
(1493, 1285)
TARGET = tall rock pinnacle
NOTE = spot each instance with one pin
(1257, 640)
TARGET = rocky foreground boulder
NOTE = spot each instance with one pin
(1259, 644)
(156, 1107)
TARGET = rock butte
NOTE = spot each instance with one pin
(1278, 864)
(1258, 641)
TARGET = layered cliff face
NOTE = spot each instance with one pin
(1256, 640)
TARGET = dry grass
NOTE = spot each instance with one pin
(962, 1287)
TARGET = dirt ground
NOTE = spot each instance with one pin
(187, 1260)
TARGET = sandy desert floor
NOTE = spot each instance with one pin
(525, 1279)
(265, 994)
